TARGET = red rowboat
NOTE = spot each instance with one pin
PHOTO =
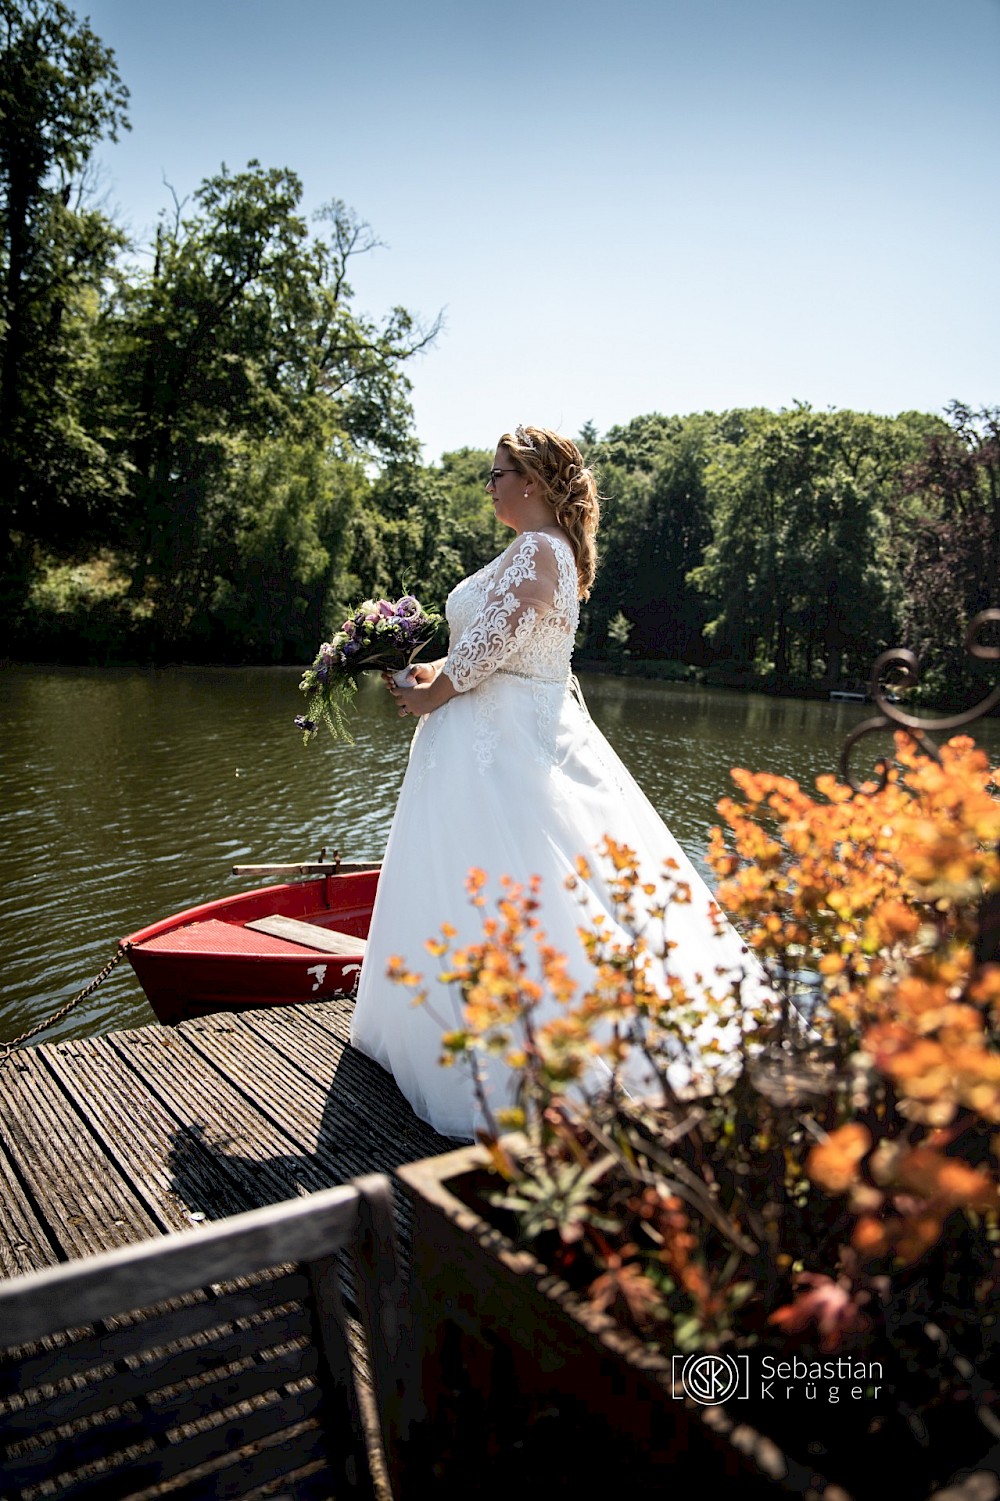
(300, 941)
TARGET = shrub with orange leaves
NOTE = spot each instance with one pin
(885, 896)
(841, 1153)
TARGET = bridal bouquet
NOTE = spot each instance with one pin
(379, 637)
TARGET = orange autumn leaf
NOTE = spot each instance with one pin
(625, 1287)
(870, 1237)
(906, 1237)
(930, 1173)
(915, 1235)
(827, 1306)
(833, 1163)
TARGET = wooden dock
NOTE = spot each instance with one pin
(107, 1140)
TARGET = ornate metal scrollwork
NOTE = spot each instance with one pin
(907, 673)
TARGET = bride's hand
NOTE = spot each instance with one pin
(415, 700)
(429, 693)
(420, 672)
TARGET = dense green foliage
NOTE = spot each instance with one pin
(208, 453)
(59, 95)
(788, 549)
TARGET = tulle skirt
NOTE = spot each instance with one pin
(513, 778)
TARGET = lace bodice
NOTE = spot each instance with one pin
(519, 614)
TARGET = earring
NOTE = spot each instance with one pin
(525, 494)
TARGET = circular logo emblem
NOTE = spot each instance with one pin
(710, 1379)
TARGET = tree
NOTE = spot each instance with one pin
(653, 534)
(293, 507)
(669, 614)
(60, 93)
(797, 569)
(430, 527)
(946, 518)
(242, 334)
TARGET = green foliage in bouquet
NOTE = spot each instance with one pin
(379, 636)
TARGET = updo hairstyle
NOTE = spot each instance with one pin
(556, 465)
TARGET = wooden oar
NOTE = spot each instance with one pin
(307, 868)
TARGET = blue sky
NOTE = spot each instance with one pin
(651, 205)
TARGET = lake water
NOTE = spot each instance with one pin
(128, 794)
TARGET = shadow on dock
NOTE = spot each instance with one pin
(107, 1140)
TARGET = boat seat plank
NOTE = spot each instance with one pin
(310, 935)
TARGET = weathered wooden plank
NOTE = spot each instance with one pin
(256, 1311)
(334, 1015)
(343, 1110)
(24, 1245)
(310, 935)
(382, 1294)
(235, 1398)
(293, 1100)
(305, 1471)
(358, 1075)
(81, 1200)
(159, 1269)
(113, 1138)
(268, 1466)
(258, 1151)
(356, 1079)
(273, 1468)
(308, 868)
(229, 1467)
(113, 1098)
(315, 1039)
(114, 1430)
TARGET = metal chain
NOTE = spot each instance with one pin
(7, 1048)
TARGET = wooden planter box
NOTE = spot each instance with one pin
(518, 1388)
(516, 1382)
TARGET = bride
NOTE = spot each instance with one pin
(507, 772)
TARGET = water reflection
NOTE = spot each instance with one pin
(128, 794)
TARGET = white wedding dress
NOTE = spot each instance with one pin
(511, 776)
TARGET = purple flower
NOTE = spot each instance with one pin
(302, 723)
(385, 609)
(408, 607)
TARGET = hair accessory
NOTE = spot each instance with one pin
(523, 440)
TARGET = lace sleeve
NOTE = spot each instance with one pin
(523, 592)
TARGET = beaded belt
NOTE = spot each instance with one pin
(571, 681)
(529, 677)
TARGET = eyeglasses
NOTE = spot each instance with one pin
(495, 474)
